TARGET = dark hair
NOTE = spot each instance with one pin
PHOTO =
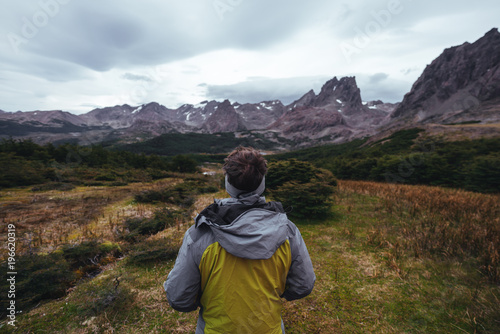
(245, 167)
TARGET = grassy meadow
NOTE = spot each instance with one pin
(389, 258)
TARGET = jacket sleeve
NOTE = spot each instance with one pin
(300, 279)
(183, 282)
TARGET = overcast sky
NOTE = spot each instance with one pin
(78, 55)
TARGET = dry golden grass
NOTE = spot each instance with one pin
(434, 220)
(46, 220)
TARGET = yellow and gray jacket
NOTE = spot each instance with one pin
(236, 263)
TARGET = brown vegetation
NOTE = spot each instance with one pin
(438, 221)
(46, 220)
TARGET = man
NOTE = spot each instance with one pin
(240, 257)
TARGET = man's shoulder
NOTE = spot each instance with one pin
(198, 231)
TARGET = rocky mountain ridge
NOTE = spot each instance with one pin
(334, 113)
(455, 84)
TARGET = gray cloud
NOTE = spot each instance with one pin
(116, 34)
(378, 77)
(72, 40)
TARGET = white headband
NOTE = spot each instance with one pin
(235, 192)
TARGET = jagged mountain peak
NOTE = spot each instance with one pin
(345, 90)
(223, 119)
(336, 112)
(334, 93)
(226, 104)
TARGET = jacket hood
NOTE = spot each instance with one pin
(246, 227)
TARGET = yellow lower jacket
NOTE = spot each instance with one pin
(236, 263)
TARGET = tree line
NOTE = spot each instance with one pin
(408, 157)
(26, 163)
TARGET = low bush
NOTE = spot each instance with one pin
(54, 186)
(85, 258)
(137, 227)
(46, 277)
(182, 194)
(42, 277)
(157, 174)
(301, 187)
(152, 251)
(106, 177)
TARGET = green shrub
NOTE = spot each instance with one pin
(85, 258)
(184, 164)
(45, 277)
(54, 186)
(162, 219)
(152, 251)
(483, 174)
(145, 226)
(149, 196)
(179, 195)
(281, 172)
(157, 174)
(301, 187)
(109, 248)
(40, 277)
(182, 194)
(106, 177)
(18, 171)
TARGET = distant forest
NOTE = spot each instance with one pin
(404, 157)
(26, 163)
(195, 143)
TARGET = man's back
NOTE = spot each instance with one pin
(244, 268)
(240, 257)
